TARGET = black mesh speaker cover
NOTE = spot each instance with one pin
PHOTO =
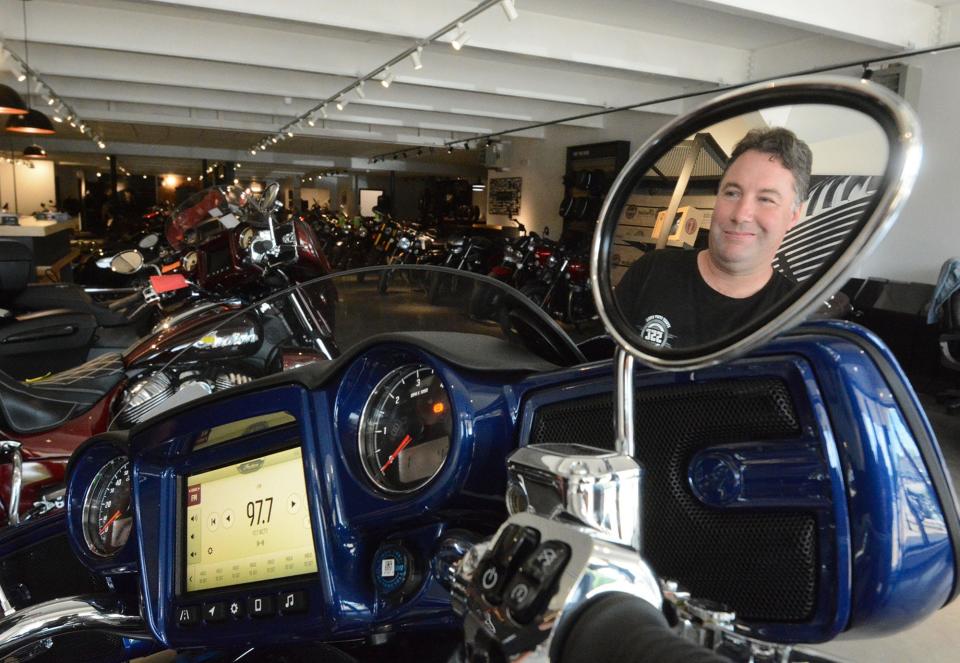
(761, 563)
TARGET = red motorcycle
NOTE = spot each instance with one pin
(233, 252)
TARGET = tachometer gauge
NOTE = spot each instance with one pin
(189, 261)
(107, 511)
(405, 429)
(246, 238)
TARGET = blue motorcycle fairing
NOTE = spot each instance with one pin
(883, 519)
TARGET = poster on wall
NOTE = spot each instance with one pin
(503, 196)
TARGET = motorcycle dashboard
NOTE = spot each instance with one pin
(317, 509)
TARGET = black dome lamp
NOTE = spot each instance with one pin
(34, 152)
(11, 103)
(31, 121)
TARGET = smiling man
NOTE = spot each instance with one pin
(683, 298)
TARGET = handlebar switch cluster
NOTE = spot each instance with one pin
(528, 591)
(519, 589)
(511, 547)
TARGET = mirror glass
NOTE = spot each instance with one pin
(126, 262)
(722, 227)
(149, 241)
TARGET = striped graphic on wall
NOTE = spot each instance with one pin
(834, 206)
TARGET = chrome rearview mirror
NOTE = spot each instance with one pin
(735, 221)
(127, 262)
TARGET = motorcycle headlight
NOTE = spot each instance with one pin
(551, 261)
(404, 243)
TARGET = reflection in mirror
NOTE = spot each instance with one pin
(726, 225)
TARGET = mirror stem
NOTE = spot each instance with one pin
(623, 410)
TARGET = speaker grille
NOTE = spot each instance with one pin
(763, 564)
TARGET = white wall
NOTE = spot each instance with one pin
(928, 230)
(542, 162)
(34, 185)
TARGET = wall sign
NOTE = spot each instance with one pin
(503, 196)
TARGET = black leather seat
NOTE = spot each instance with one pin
(48, 403)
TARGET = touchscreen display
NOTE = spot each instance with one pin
(248, 522)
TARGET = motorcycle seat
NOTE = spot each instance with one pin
(31, 407)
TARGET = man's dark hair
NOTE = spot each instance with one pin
(793, 153)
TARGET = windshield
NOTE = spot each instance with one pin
(213, 203)
(217, 348)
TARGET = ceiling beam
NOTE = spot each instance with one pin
(900, 24)
(340, 53)
(540, 35)
(279, 162)
(132, 70)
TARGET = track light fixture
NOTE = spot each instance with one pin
(342, 103)
(450, 149)
(388, 78)
(460, 38)
(21, 76)
(289, 134)
(312, 120)
(867, 72)
(359, 90)
(417, 61)
(323, 111)
(509, 9)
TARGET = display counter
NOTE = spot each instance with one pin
(48, 240)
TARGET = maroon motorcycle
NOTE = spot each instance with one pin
(233, 252)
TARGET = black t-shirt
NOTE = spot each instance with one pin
(672, 306)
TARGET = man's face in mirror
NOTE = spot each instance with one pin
(755, 207)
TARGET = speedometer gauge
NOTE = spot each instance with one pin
(405, 429)
(107, 512)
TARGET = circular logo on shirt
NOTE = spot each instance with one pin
(656, 331)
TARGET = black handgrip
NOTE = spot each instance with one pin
(624, 628)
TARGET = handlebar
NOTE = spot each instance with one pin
(622, 627)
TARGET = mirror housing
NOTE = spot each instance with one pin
(893, 117)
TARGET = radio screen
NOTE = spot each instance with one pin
(248, 522)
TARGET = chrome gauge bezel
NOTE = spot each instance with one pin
(371, 474)
(189, 261)
(92, 500)
(246, 237)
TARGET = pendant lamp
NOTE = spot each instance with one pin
(11, 103)
(32, 121)
(34, 152)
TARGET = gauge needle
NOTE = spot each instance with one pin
(106, 525)
(403, 443)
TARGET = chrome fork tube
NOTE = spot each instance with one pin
(11, 449)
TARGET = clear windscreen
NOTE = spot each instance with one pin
(320, 320)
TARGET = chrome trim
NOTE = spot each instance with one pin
(102, 613)
(623, 418)
(600, 489)
(905, 156)
(5, 604)
(595, 567)
(12, 449)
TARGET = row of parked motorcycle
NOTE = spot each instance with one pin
(119, 345)
(554, 275)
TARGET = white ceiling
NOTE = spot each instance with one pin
(167, 84)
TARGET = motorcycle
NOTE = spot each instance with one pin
(451, 489)
(231, 265)
(469, 253)
(561, 286)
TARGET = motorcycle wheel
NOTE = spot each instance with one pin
(483, 302)
(535, 292)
